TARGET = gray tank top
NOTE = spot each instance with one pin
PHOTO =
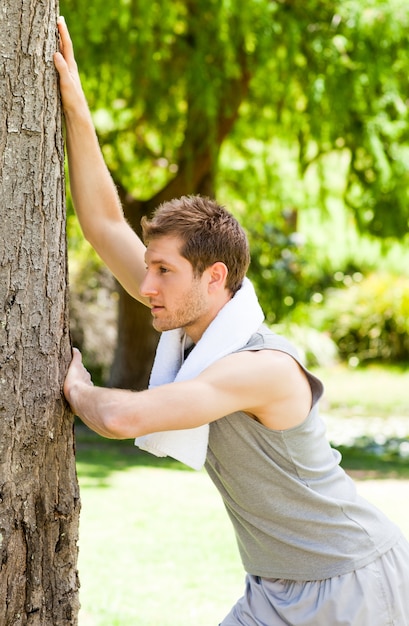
(295, 512)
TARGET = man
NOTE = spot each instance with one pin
(315, 553)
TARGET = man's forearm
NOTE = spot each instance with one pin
(97, 407)
(93, 191)
(94, 194)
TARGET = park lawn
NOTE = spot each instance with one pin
(156, 546)
(374, 390)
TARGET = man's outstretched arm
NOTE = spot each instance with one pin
(93, 191)
(268, 385)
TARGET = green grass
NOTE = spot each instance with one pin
(156, 546)
(372, 391)
(365, 393)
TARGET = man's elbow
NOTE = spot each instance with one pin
(117, 425)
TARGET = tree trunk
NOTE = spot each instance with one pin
(39, 498)
(136, 344)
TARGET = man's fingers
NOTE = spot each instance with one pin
(59, 61)
(62, 68)
(66, 46)
(76, 354)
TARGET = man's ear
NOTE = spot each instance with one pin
(217, 274)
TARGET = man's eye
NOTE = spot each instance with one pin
(163, 270)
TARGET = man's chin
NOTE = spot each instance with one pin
(161, 326)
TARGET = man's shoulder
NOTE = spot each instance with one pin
(267, 339)
(254, 366)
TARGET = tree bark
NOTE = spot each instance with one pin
(39, 497)
(136, 344)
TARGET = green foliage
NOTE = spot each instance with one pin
(316, 349)
(279, 270)
(369, 321)
(160, 74)
(366, 455)
(336, 83)
(282, 100)
(315, 77)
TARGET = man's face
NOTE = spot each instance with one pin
(177, 298)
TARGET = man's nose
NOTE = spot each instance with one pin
(147, 287)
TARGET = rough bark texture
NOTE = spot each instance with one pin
(39, 498)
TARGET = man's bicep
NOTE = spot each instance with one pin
(185, 404)
(232, 384)
(123, 252)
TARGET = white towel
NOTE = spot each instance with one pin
(231, 329)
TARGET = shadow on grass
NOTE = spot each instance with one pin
(369, 462)
(98, 458)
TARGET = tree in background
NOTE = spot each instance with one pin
(174, 85)
(39, 499)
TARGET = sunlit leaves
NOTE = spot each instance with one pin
(323, 76)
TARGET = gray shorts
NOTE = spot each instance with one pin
(375, 595)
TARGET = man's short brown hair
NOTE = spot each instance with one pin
(209, 234)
